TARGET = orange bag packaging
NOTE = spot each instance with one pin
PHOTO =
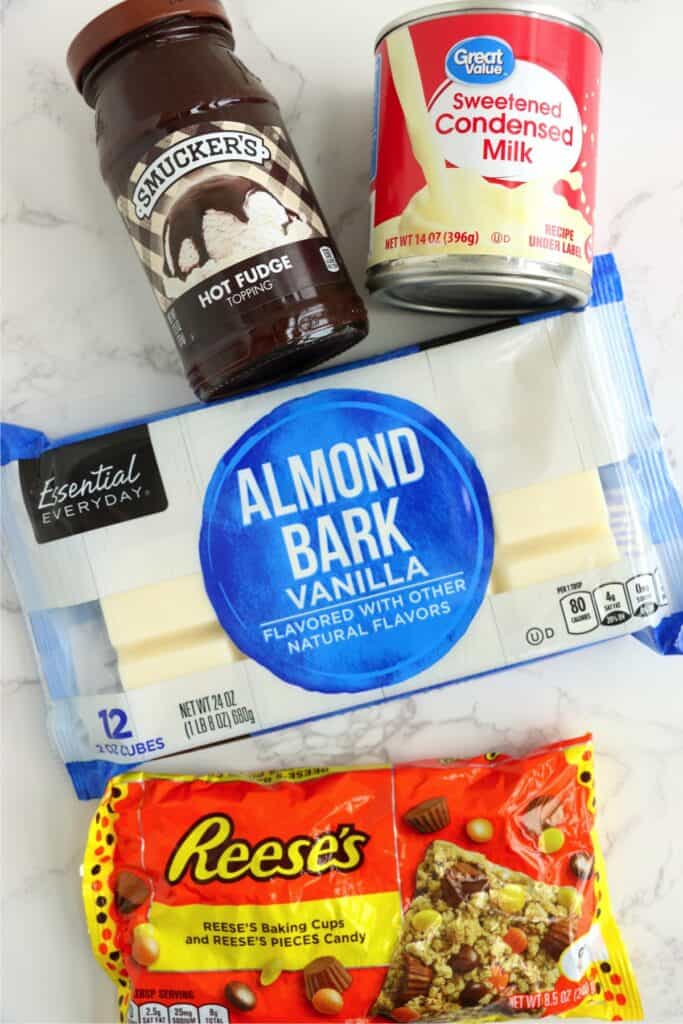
(448, 890)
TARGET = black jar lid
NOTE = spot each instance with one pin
(128, 17)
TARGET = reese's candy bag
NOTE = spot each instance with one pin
(449, 890)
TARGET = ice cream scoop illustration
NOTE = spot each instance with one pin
(226, 218)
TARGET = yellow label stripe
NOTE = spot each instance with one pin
(360, 931)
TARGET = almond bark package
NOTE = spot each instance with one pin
(360, 534)
(450, 890)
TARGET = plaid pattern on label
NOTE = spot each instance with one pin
(280, 176)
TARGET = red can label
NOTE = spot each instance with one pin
(485, 142)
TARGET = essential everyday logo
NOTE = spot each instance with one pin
(210, 852)
(96, 487)
(353, 561)
(480, 60)
(190, 155)
(93, 483)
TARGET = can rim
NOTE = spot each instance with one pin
(532, 9)
(572, 287)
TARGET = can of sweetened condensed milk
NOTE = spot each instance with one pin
(484, 161)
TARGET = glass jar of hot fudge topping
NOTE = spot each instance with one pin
(213, 195)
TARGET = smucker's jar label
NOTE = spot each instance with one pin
(486, 140)
(347, 540)
(223, 221)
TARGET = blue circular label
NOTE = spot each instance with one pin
(347, 540)
(480, 60)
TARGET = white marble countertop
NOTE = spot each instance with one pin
(84, 344)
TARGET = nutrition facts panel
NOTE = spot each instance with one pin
(579, 613)
(611, 604)
(178, 1013)
(642, 594)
